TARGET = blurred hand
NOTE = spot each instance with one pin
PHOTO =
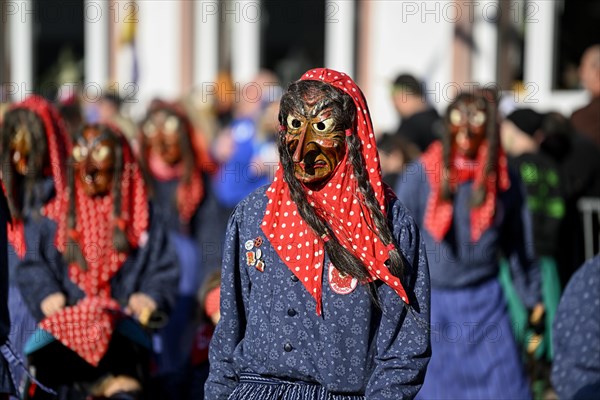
(141, 306)
(536, 318)
(53, 303)
(537, 324)
(223, 146)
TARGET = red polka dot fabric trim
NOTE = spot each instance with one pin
(438, 214)
(340, 204)
(86, 328)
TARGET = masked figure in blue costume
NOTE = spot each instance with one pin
(325, 284)
(34, 151)
(472, 211)
(97, 263)
(177, 167)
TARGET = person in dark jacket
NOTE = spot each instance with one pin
(521, 134)
(419, 121)
(325, 284)
(91, 271)
(585, 120)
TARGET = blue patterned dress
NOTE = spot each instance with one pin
(475, 355)
(271, 344)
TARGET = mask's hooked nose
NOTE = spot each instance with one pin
(298, 152)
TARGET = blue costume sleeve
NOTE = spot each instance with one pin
(409, 188)
(518, 245)
(42, 271)
(403, 337)
(235, 289)
(576, 364)
(159, 278)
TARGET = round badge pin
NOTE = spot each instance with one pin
(339, 282)
(249, 244)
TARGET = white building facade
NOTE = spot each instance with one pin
(165, 48)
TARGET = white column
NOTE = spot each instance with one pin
(412, 37)
(158, 50)
(206, 41)
(244, 17)
(339, 35)
(96, 42)
(539, 39)
(20, 17)
(485, 36)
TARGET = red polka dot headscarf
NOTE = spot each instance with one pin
(339, 203)
(58, 148)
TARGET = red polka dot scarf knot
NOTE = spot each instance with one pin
(58, 148)
(92, 320)
(340, 203)
(439, 212)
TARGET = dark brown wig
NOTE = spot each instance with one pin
(344, 112)
(20, 189)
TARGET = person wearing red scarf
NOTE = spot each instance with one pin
(33, 148)
(103, 259)
(325, 284)
(472, 212)
(177, 166)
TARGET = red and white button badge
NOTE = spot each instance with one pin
(254, 257)
(340, 282)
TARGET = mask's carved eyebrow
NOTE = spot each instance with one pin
(82, 141)
(297, 108)
(318, 107)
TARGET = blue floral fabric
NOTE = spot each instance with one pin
(269, 325)
(576, 364)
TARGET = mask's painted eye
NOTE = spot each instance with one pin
(293, 122)
(323, 126)
(150, 129)
(79, 153)
(455, 117)
(171, 125)
(478, 118)
(101, 153)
